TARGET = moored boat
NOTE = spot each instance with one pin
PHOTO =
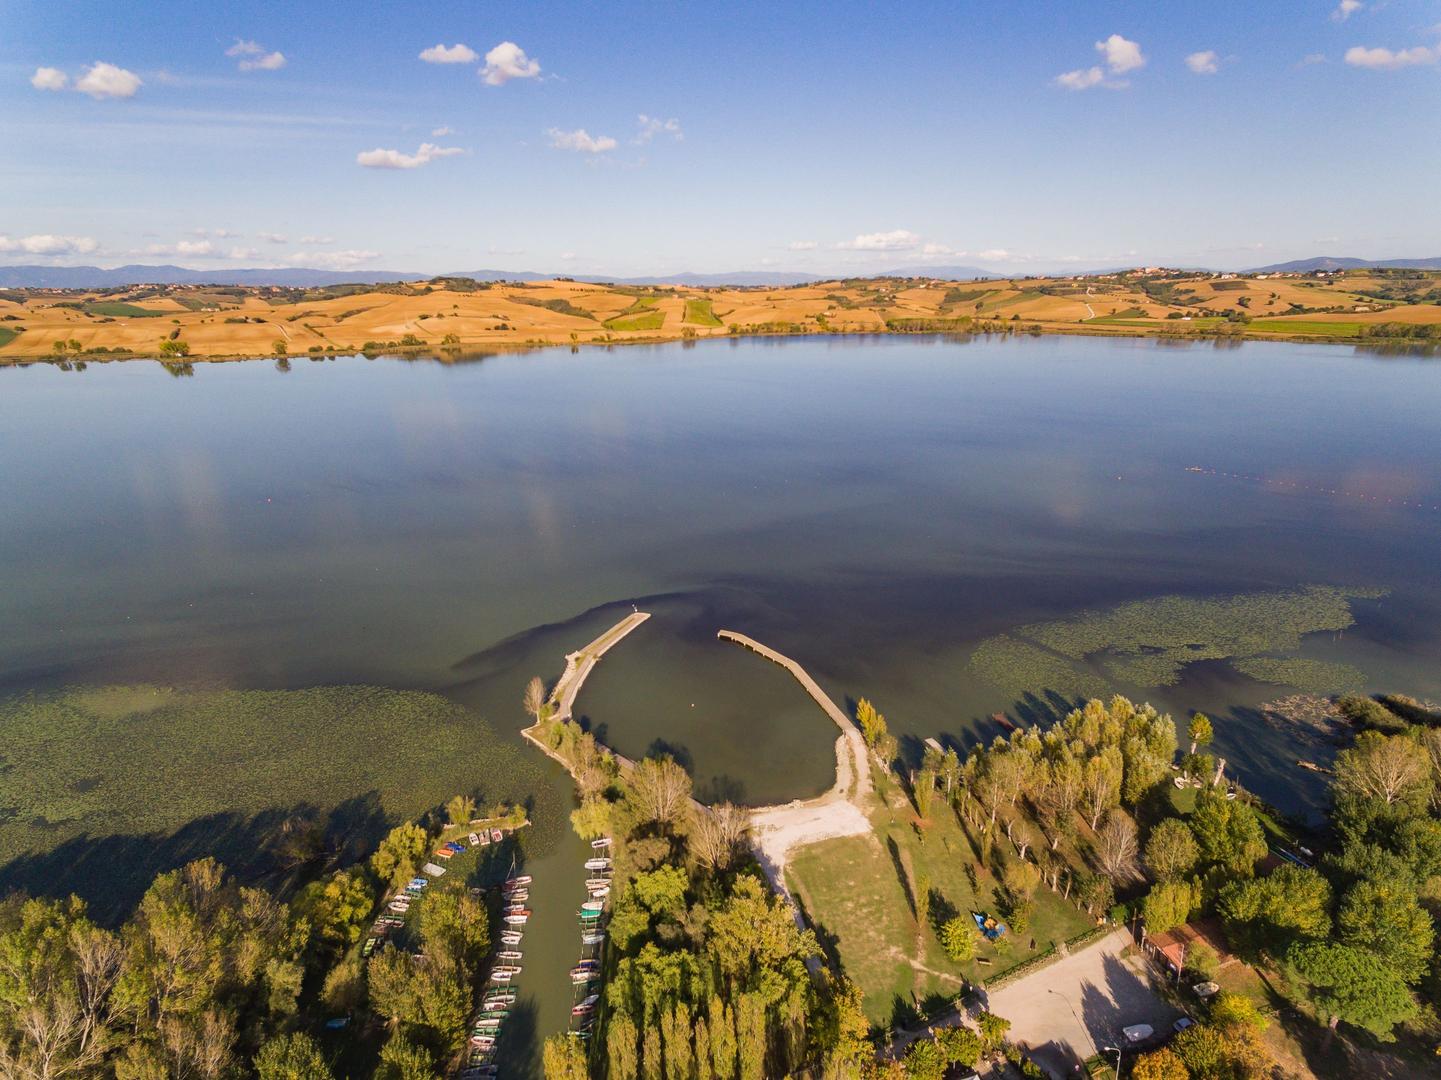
(592, 937)
(509, 955)
(603, 842)
(515, 918)
(516, 882)
(597, 864)
(592, 907)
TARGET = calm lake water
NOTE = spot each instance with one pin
(871, 507)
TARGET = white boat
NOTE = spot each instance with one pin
(474, 839)
(596, 882)
(516, 882)
(597, 864)
(433, 870)
(600, 893)
(508, 969)
(592, 907)
(510, 937)
(589, 1002)
(595, 937)
(509, 955)
(518, 895)
(603, 842)
(515, 920)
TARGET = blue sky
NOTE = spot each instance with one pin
(808, 136)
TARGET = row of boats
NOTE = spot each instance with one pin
(586, 974)
(498, 996)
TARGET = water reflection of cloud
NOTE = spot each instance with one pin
(198, 494)
(429, 430)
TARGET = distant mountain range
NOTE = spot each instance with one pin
(94, 277)
(1327, 262)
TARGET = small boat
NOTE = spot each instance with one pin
(507, 969)
(509, 955)
(588, 1003)
(517, 895)
(581, 1010)
(516, 882)
(596, 882)
(510, 937)
(455, 846)
(593, 937)
(600, 893)
(498, 1002)
(433, 870)
(488, 1024)
(515, 919)
(584, 976)
(603, 842)
(592, 907)
(443, 853)
(517, 909)
(474, 839)
(419, 882)
(496, 836)
(500, 979)
(597, 864)
(399, 905)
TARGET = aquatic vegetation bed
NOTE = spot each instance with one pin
(90, 773)
(1149, 643)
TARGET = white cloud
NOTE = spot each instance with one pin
(803, 245)
(317, 239)
(1081, 78)
(241, 253)
(48, 244)
(651, 126)
(993, 255)
(441, 132)
(580, 140)
(1204, 63)
(48, 78)
(181, 247)
(254, 56)
(332, 260)
(895, 240)
(508, 61)
(274, 237)
(936, 249)
(450, 54)
(1345, 9)
(1359, 56)
(102, 80)
(567, 256)
(223, 234)
(394, 159)
(1121, 55)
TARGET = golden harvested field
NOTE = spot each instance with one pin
(455, 314)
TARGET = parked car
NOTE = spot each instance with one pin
(1182, 1024)
(1138, 1033)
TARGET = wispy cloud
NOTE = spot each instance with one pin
(317, 239)
(1310, 59)
(47, 244)
(1345, 9)
(508, 61)
(1081, 78)
(895, 240)
(49, 78)
(274, 237)
(580, 140)
(802, 245)
(1204, 63)
(1388, 60)
(394, 159)
(253, 56)
(102, 80)
(441, 132)
(191, 248)
(458, 53)
(651, 126)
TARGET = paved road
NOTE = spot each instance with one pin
(1066, 1012)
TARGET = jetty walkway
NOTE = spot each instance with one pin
(841, 811)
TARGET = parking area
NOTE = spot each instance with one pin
(1073, 1008)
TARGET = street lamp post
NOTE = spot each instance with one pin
(1117, 1051)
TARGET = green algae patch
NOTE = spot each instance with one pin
(1149, 643)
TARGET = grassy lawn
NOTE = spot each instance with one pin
(7, 335)
(857, 892)
(699, 313)
(1307, 326)
(107, 786)
(646, 320)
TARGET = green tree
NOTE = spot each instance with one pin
(563, 1058)
(872, 723)
(1101, 783)
(924, 1061)
(1385, 769)
(620, 1047)
(278, 347)
(1269, 914)
(1228, 832)
(993, 1029)
(401, 1059)
(959, 1045)
(1171, 852)
(958, 938)
(1350, 984)
(1199, 731)
(454, 926)
(460, 810)
(661, 891)
(400, 854)
(292, 1057)
(1168, 905)
(658, 793)
(1386, 920)
(592, 819)
(338, 907)
(171, 347)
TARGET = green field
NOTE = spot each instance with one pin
(120, 309)
(1307, 326)
(699, 313)
(852, 889)
(646, 320)
(7, 335)
(105, 787)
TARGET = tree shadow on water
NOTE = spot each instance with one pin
(111, 873)
(677, 751)
(722, 788)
